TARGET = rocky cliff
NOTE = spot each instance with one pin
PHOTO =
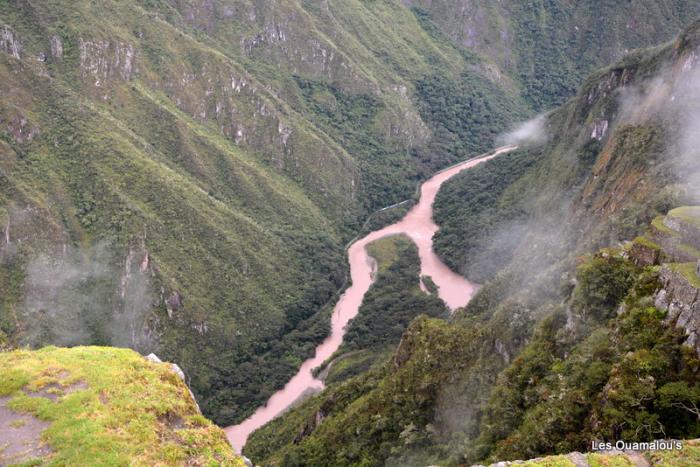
(673, 244)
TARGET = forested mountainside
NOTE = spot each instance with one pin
(181, 176)
(587, 328)
(393, 301)
(550, 46)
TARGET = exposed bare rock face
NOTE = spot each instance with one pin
(103, 59)
(56, 47)
(680, 298)
(9, 42)
(674, 243)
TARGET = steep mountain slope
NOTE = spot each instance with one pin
(550, 46)
(182, 175)
(560, 347)
(174, 178)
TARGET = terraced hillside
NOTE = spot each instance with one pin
(673, 244)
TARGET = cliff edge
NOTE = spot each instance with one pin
(101, 406)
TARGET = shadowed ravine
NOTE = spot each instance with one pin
(454, 289)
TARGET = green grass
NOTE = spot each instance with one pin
(690, 214)
(385, 251)
(690, 250)
(554, 461)
(689, 271)
(646, 242)
(124, 410)
(689, 456)
(609, 460)
(658, 224)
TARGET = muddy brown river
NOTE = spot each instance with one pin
(454, 289)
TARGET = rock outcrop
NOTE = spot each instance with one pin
(680, 298)
(673, 243)
(105, 59)
(178, 371)
(9, 43)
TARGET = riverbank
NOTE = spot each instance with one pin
(418, 225)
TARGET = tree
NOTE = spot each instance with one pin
(681, 396)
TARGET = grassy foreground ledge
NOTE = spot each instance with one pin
(688, 456)
(101, 406)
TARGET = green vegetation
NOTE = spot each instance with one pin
(109, 406)
(602, 283)
(237, 167)
(391, 413)
(381, 219)
(351, 119)
(646, 242)
(192, 170)
(688, 270)
(353, 363)
(548, 48)
(658, 224)
(615, 376)
(690, 214)
(471, 208)
(211, 252)
(559, 347)
(690, 250)
(394, 299)
(392, 302)
(466, 114)
(686, 457)
(628, 372)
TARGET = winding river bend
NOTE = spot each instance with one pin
(454, 289)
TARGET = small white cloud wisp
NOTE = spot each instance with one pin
(529, 133)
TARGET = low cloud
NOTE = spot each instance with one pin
(529, 133)
(673, 98)
(85, 296)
